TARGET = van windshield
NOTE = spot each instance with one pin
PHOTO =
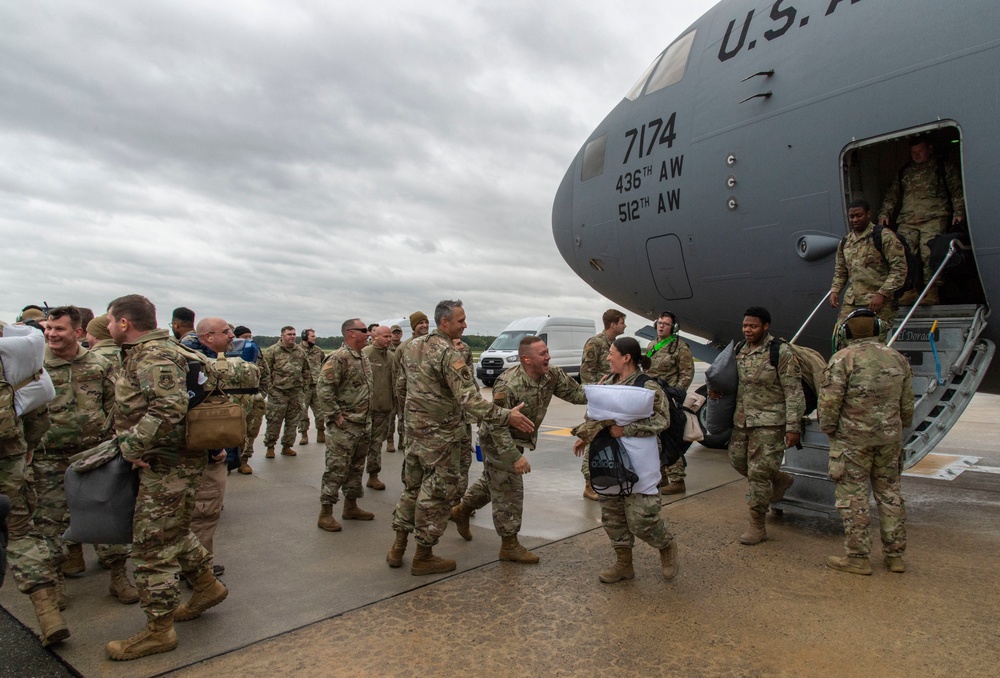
(508, 340)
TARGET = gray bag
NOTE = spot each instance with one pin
(101, 500)
(723, 377)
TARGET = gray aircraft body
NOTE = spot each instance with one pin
(722, 179)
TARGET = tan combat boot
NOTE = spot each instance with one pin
(512, 551)
(621, 568)
(460, 516)
(779, 485)
(668, 560)
(374, 482)
(933, 297)
(396, 551)
(894, 563)
(389, 447)
(304, 440)
(74, 560)
(288, 452)
(61, 599)
(756, 533)
(320, 436)
(50, 620)
(245, 468)
(158, 636)
(588, 492)
(353, 512)
(121, 587)
(851, 564)
(425, 562)
(326, 520)
(674, 487)
(908, 297)
(270, 452)
(208, 592)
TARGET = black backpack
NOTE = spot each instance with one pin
(611, 470)
(812, 400)
(914, 270)
(672, 443)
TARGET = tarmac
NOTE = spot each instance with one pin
(304, 602)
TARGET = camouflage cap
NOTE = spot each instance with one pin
(31, 313)
(395, 328)
(861, 325)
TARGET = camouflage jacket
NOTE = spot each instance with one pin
(397, 356)
(514, 387)
(673, 363)
(315, 356)
(383, 378)
(644, 428)
(868, 271)
(288, 367)
(767, 396)
(85, 397)
(151, 398)
(923, 195)
(439, 387)
(594, 363)
(107, 349)
(866, 397)
(345, 386)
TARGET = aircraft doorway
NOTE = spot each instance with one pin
(873, 170)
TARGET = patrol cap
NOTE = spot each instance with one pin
(31, 312)
(861, 323)
(395, 328)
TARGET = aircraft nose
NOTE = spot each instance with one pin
(562, 219)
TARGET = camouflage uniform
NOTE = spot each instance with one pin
(674, 364)
(315, 356)
(85, 396)
(439, 386)
(396, 416)
(637, 515)
(465, 459)
(383, 402)
(27, 552)
(593, 366)
(257, 407)
(503, 445)
(345, 389)
(869, 273)
(865, 401)
(769, 403)
(151, 403)
(291, 376)
(924, 208)
(401, 389)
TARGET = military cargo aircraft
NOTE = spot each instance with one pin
(722, 178)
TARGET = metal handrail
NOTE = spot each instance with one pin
(952, 250)
(802, 329)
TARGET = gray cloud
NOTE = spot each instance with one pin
(303, 162)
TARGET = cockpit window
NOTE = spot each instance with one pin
(593, 158)
(667, 69)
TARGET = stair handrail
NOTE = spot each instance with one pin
(953, 248)
(801, 329)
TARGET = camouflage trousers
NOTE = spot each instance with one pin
(283, 407)
(310, 398)
(637, 515)
(918, 236)
(676, 472)
(887, 314)
(756, 453)
(464, 463)
(501, 486)
(585, 464)
(380, 431)
(430, 487)
(254, 421)
(27, 552)
(853, 468)
(346, 450)
(208, 504)
(164, 547)
(395, 424)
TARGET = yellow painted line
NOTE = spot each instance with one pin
(564, 432)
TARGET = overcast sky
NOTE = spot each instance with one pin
(305, 162)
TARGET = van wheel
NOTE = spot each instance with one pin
(488, 383)
(715, 441)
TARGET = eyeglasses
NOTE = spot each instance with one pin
(362, 330)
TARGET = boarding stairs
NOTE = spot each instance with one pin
(943, 386)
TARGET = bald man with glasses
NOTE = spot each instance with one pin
(345, 393)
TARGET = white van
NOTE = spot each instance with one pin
(565, 338)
